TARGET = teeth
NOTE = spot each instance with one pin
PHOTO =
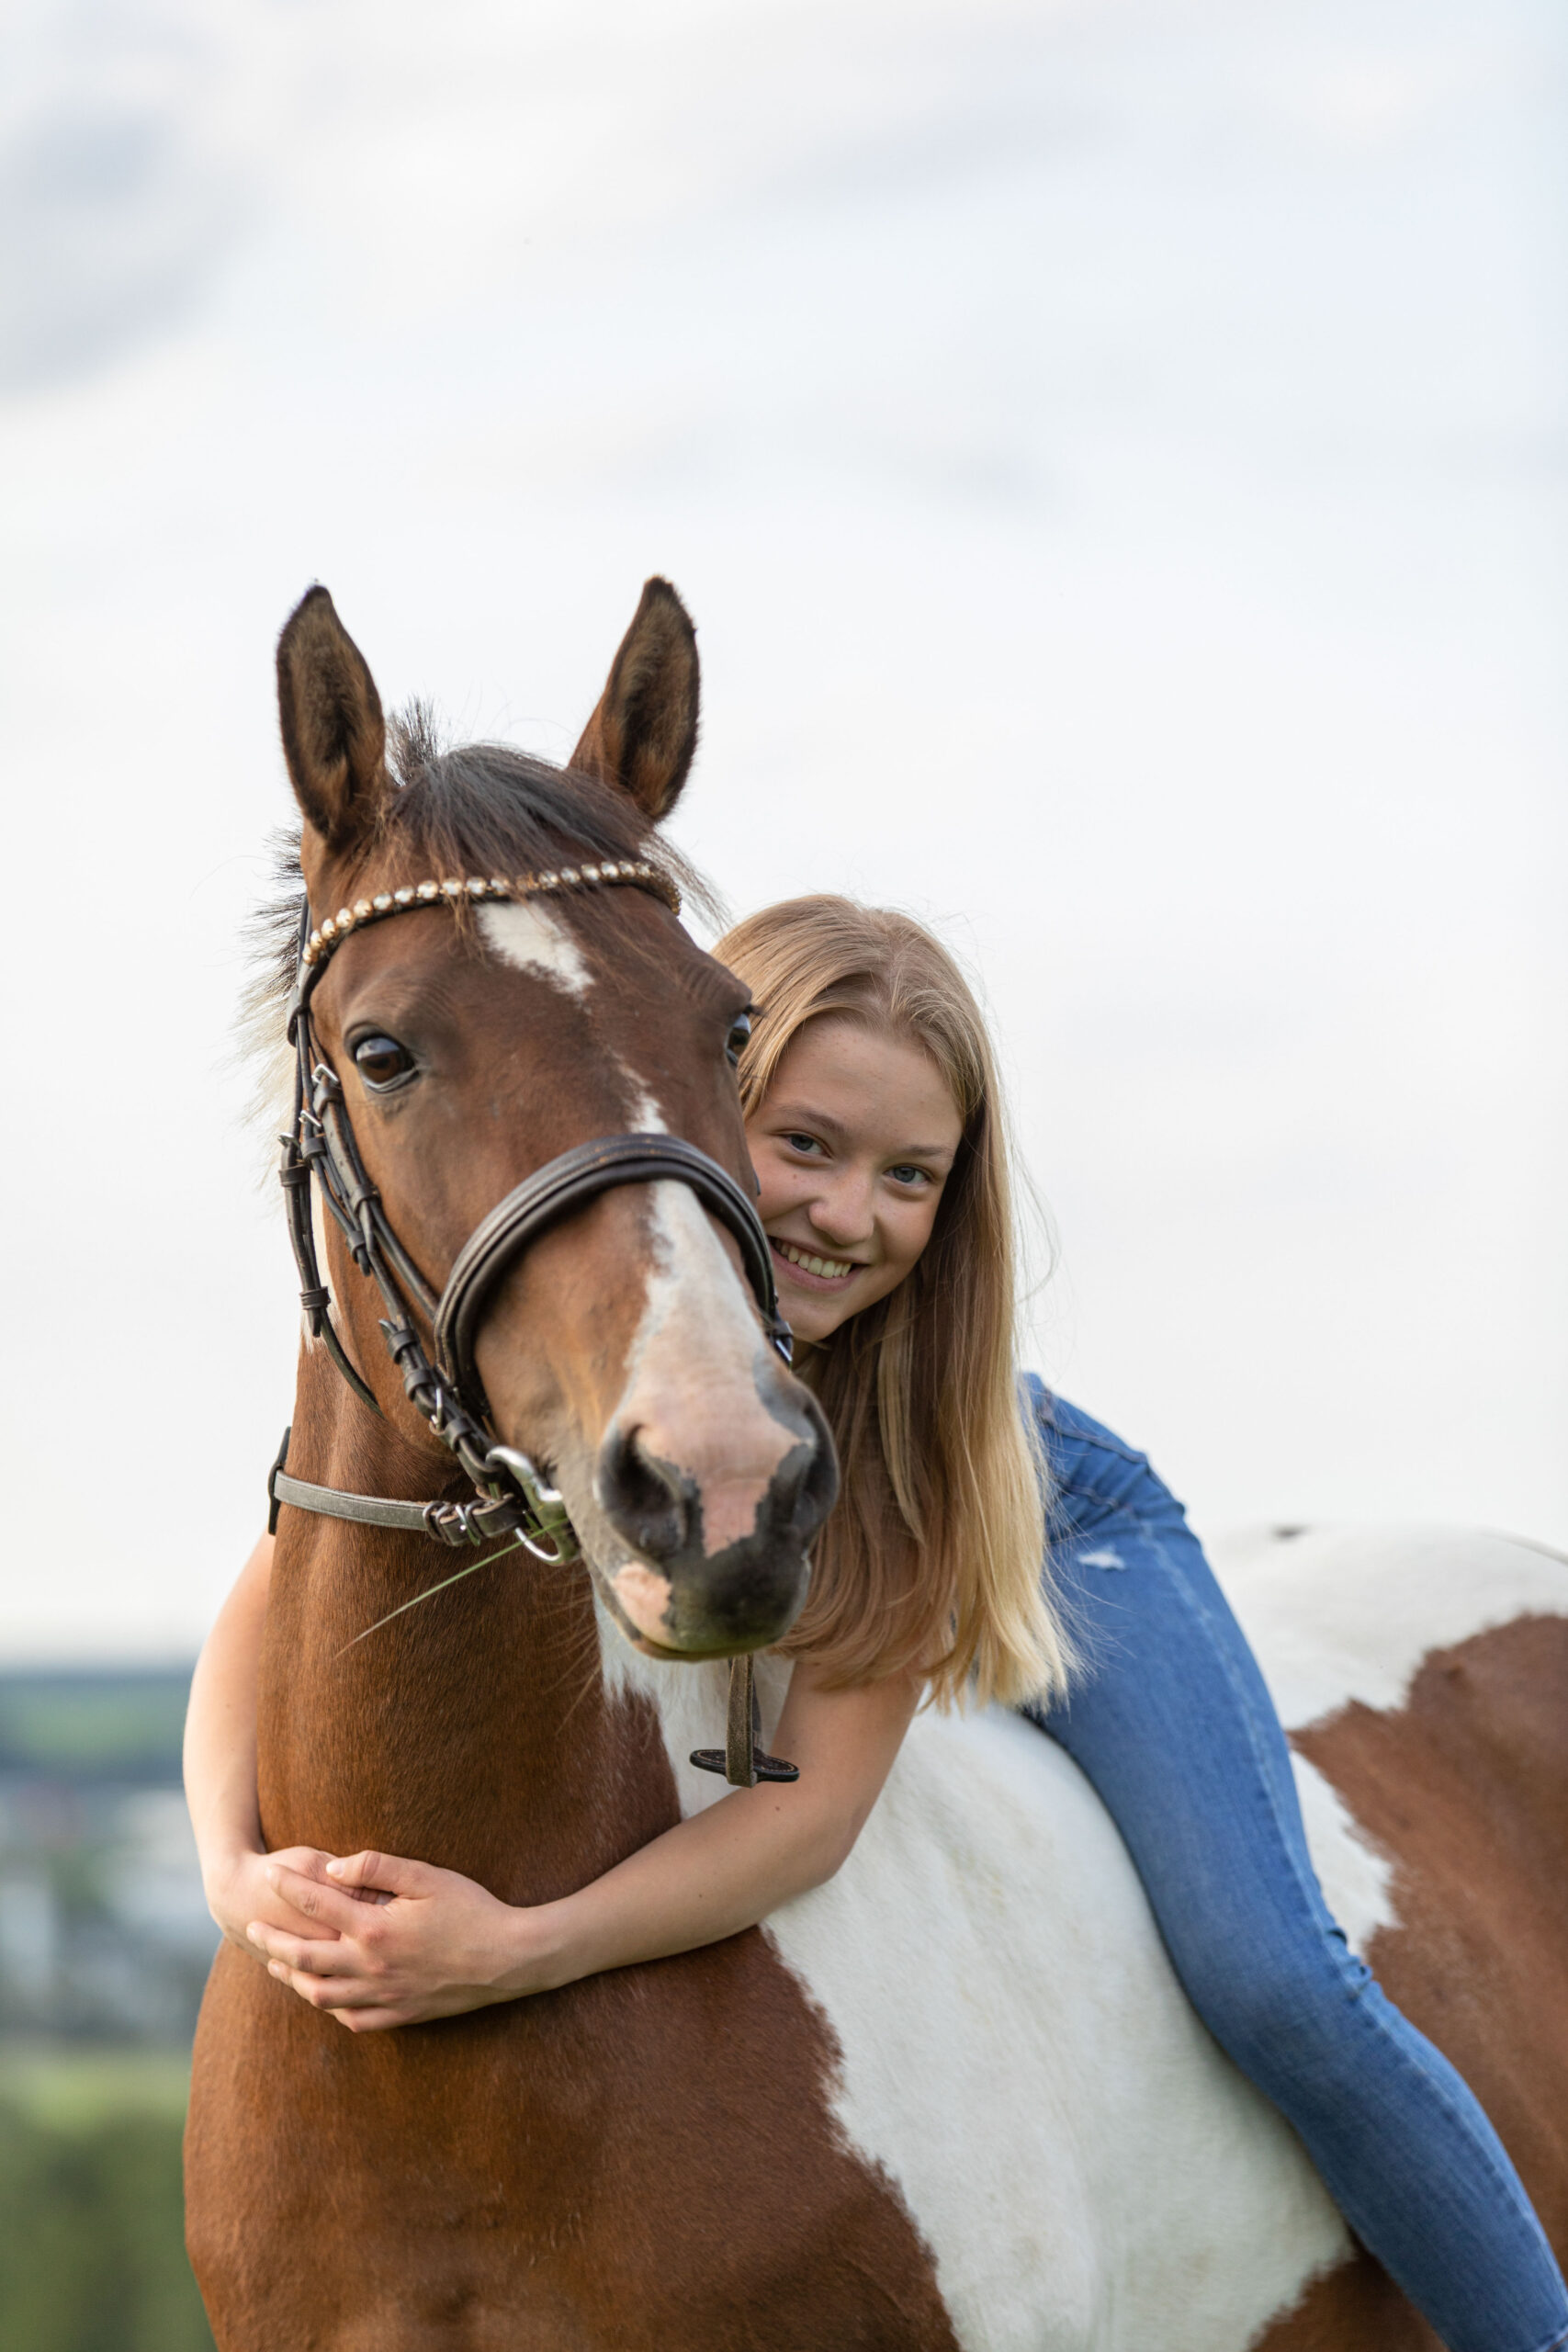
(829, 1267)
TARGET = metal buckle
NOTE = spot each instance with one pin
(452, 1523)
(546, 1505)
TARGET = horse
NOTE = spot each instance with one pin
(953, 2098)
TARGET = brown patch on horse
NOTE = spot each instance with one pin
(1356, 2308)
(643, 735)
(1466, 1786)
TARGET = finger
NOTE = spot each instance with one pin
(383, 1873)
(340, 1997)
(314, 1898)
(311, 1862)
(304, 1955)
(274, 1912)
(318, 1991)
(370, 2021)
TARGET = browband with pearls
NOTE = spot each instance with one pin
(638, 871)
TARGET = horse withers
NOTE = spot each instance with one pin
(953, 2098)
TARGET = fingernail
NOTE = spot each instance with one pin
(335, 1869)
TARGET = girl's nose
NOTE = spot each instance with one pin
(841, 1212)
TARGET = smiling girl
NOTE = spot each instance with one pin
(873, 1122)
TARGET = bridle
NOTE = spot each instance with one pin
(510, 1495)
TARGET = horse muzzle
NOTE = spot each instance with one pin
(719, 1561)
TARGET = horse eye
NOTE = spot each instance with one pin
(381, 1061)
(740, 1030)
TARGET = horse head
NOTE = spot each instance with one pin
(482, 1038)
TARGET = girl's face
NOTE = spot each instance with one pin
(852, 1145)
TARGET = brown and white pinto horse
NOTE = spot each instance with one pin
(954, 2098)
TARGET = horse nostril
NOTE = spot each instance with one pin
(648, 1502)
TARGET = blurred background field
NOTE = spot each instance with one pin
(104, 1943)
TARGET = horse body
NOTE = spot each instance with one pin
(1087, 2166)
(953, 2098)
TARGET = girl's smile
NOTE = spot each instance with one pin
(827, 1273)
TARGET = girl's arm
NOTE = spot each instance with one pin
(443, 1944)
(220, 1765)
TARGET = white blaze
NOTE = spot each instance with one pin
(530, 938)
(692, 1373)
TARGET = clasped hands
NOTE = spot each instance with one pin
(376, 1940)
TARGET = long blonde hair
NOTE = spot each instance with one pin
(933, 1558)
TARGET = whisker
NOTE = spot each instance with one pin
(429, 1594)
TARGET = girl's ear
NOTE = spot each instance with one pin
(643, 734)
(334, 739)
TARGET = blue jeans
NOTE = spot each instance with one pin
(1174, 1726)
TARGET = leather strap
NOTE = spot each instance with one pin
(570, 1182)
(449, 1522)
(333, 1502)
(743, 1760)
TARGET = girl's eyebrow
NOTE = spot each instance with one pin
(787, 1114)
(801, 1114)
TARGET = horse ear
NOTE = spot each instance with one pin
(335, 737)
(644, 732)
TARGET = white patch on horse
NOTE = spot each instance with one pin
(531, 938)
(1090, 2170)
(694, 1362)
(1343, 1614)
(698, 1374)
(1355, 1875)
(644, 1116)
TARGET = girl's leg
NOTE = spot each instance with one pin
(1174, 1726)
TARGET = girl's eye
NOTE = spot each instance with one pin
(381, 1061)
(735, 1044)
(909, 1175)
(801, 1142)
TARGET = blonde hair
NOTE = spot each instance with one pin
(934, 1557)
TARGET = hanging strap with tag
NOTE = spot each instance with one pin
(742, 1759)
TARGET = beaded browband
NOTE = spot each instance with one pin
(638, 871)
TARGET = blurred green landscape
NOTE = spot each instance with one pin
(104, 1945)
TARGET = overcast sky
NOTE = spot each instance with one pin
(1114, 457)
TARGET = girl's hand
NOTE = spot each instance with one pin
(377, 1941)
(239, 1892)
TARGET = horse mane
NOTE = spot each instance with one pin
(478, 808)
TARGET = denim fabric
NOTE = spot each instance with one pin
(1173, 1725)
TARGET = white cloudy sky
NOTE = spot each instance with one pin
(1114, 455)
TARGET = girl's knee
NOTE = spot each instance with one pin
(1289, 2011)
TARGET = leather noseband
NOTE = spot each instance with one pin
(570, 1182)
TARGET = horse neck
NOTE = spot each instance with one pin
(472, 1730)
